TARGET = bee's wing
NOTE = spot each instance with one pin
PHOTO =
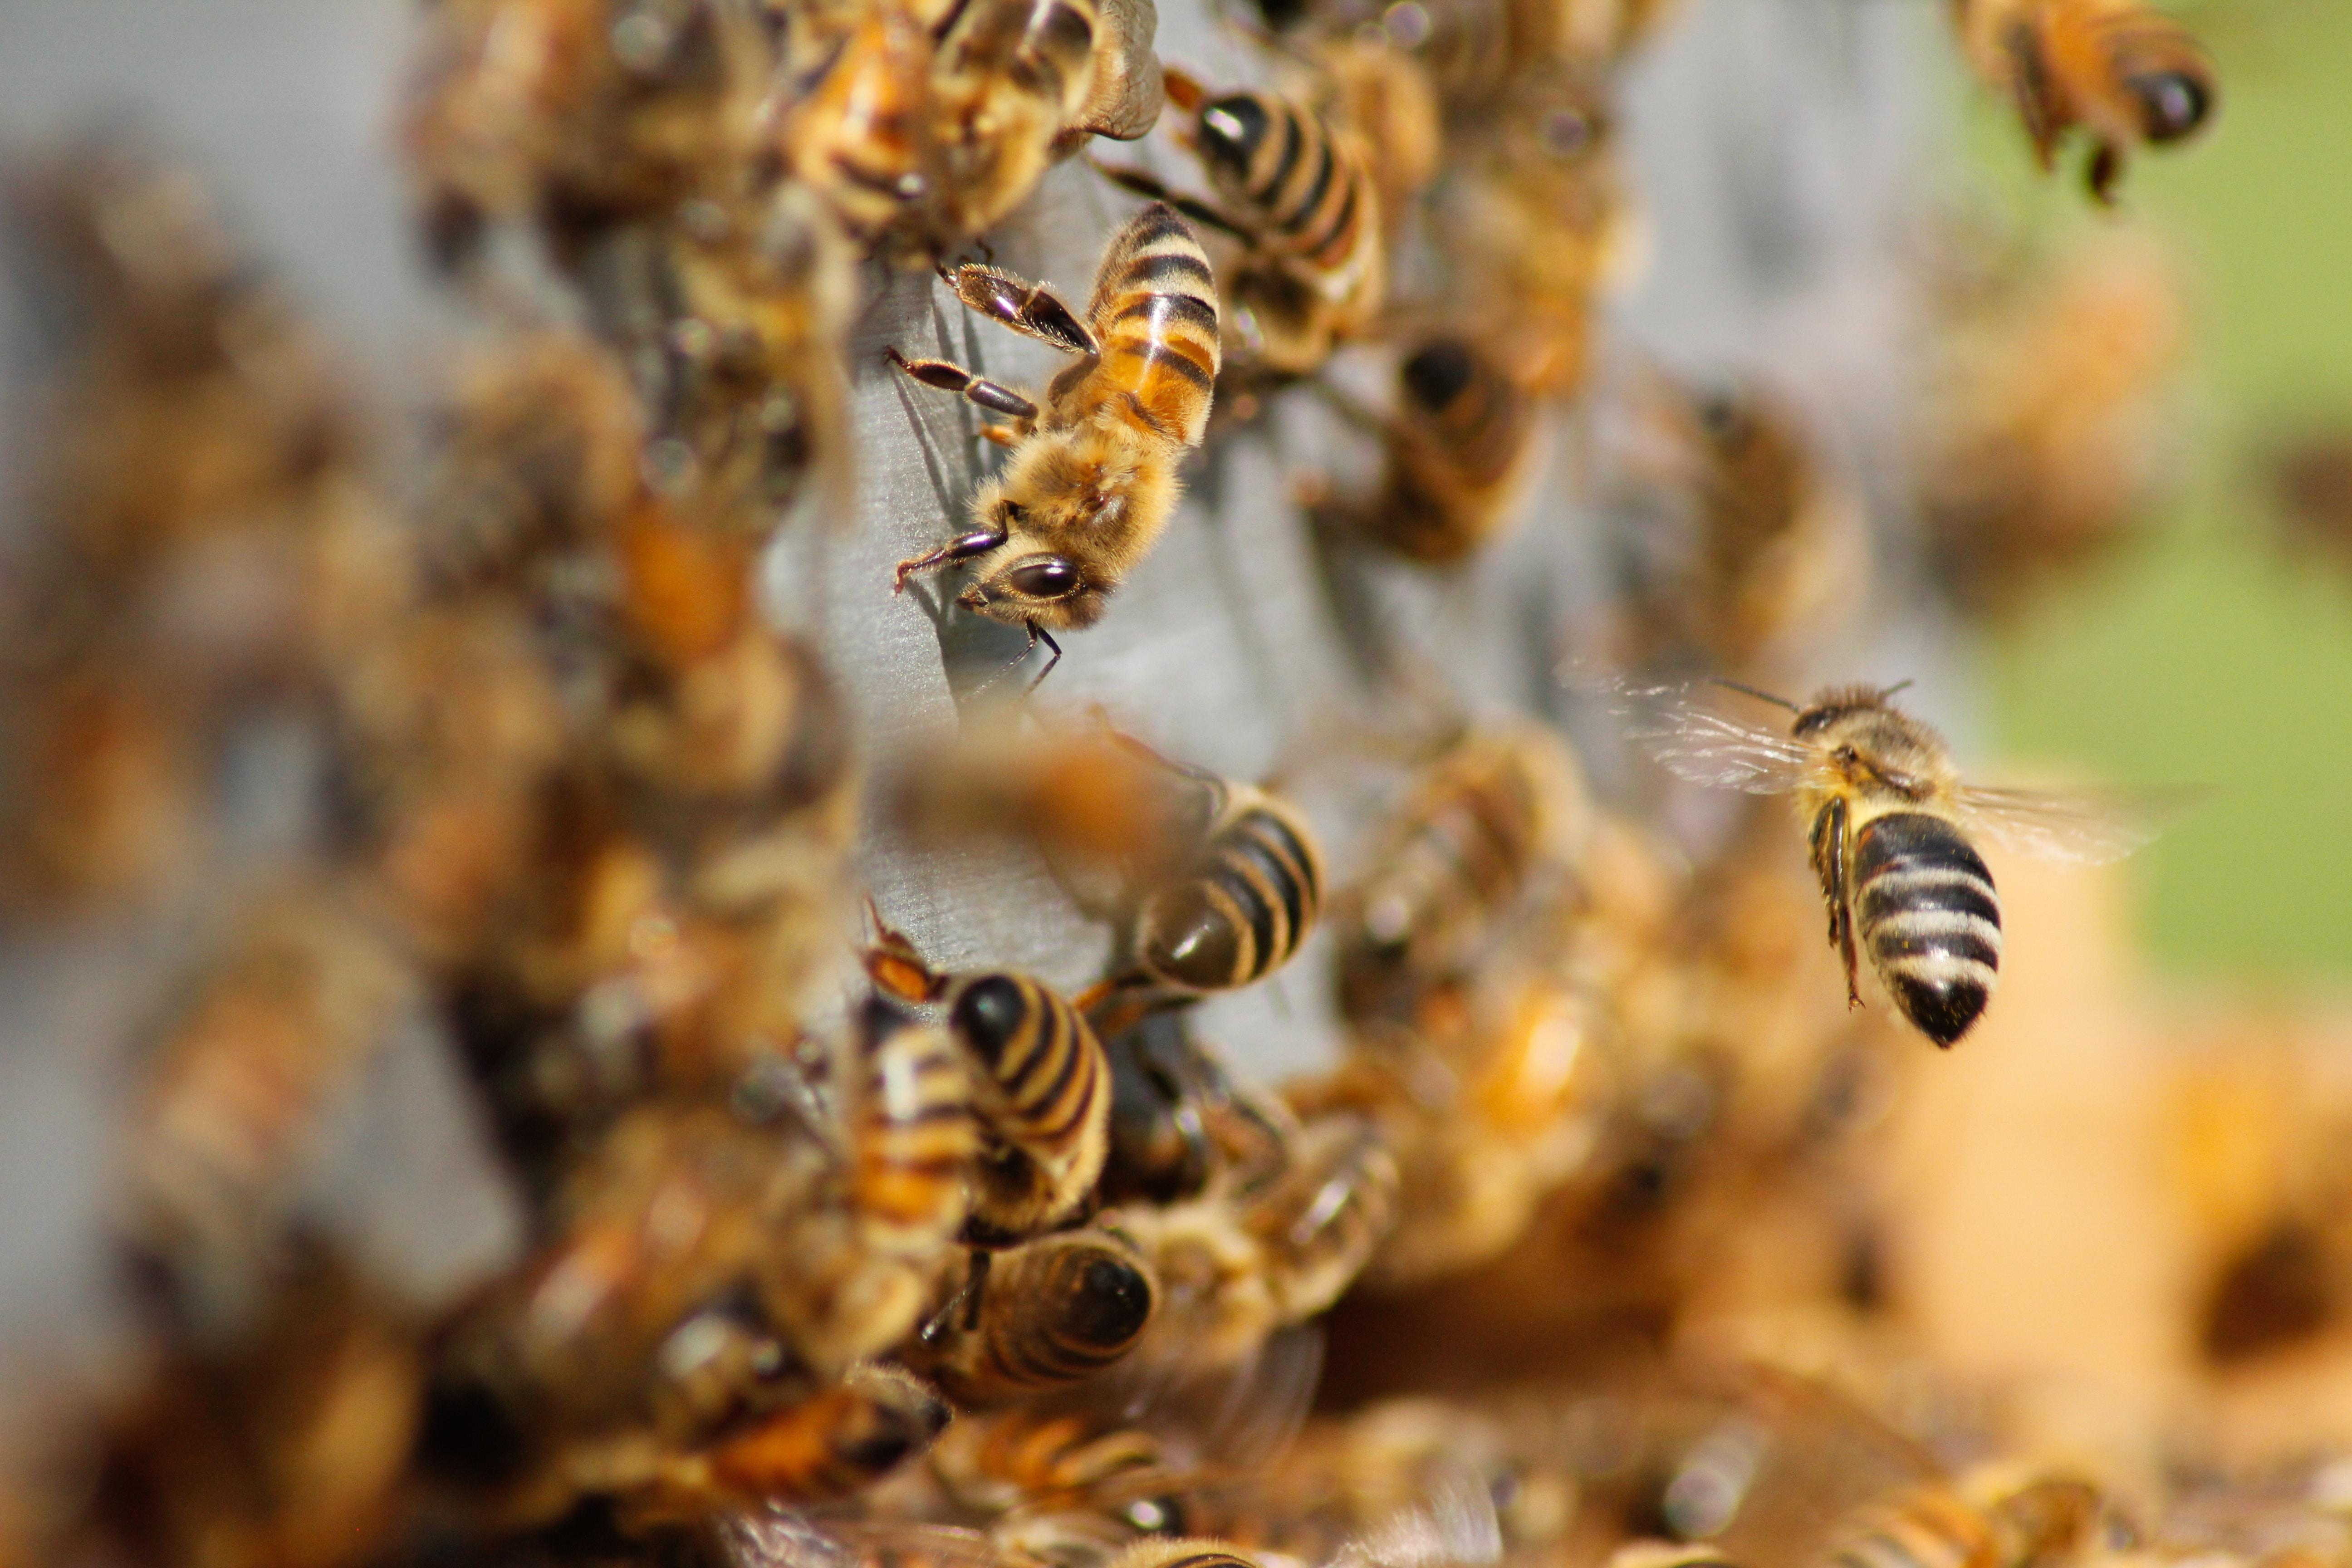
(1703, 746)
(2086, 829)
(780, 1537)
(1455, 1525)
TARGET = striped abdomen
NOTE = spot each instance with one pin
(913, 1135)
(1045, 1095)
(1155, 311)
(843, 1439)
(1242, 908)
(1050, 1312)
(1463, 428)
(1046, 1455)
(1931, 1528)
(1304, 192)
(1924, 910)
(1181, 1552)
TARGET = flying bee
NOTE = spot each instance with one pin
(1888, 823)
(1460, 446)
(2123, 73)
(1043, 1092)
(1477, 828)
(1091, 479)
(1047, 1312)
(1300, 195)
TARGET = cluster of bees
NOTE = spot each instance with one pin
(510, 765)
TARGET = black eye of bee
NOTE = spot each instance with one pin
(2172, 104)
(1439, 373)
(1052, 578)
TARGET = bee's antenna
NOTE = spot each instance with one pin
(1899, 686)
(1761, 696)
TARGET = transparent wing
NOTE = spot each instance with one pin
(1703, 746)
(1455, 1526)
(2083, 829)
(780, 1537)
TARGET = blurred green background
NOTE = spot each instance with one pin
(2208, 652)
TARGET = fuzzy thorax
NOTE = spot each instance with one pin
(1095, 495)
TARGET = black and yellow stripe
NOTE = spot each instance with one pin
(1462, 431)
(1305, 196)
(1925, 910)
(913, 1135)
(1045, 1093)
(1243, 907)
(1155, 309)
(1050, 1312)
(1932, 1527)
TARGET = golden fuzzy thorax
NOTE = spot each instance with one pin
(1097, 493)
(1873, 754)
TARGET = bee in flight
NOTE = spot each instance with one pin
(1091, 479)
(1888, 822)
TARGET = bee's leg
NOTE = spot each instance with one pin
(979, 541)
(964, 1303)
(1144, 183)
(1030, 309)
(1002, 435)
(995, 397)
(975, 1281)
(1038, 634)
(1830, 862)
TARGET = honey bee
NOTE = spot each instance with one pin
(1091, 479)
(1234, 909)
(1985, 1518)
(1300, 195)
(1888, 823)
(1460, 447)
(860, 136)
(1256, 1254)
(578, 113)
(914, 1133)
(1033, 1460)
(1480, 824)
(1050, 1312)
(2123, 73)
(1043, 1090)
(1743, 543)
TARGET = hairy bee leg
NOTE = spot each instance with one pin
(979, 541)
(1831, 859)
(1030, 309)
(942, 375)
(1144, 183)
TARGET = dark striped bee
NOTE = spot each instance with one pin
(1044, 1090)
(1234, 909)
(1453, 862)
(2122, 72)
(1984, 1521)
(1091, 480)
(1889, 821)
(1460, 444)
(1298, 193)
(913, 1134)
(1048, 1312)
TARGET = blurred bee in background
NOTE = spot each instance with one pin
(2042, 438)
(1091, 479)
(1741, 547)
(1460, 446)
(1992, 1517)
(572, 115)
(2119, 72)
(1297, 190)
(2311, 483)
(1043, 1089)
(1888, 822)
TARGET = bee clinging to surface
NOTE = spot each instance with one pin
(1888, 821)
(2122, 72)
(1042, 1088)
(1091, 480)
(1052, 1311)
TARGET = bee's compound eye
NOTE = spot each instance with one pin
(2172, 104)
(1051, 578)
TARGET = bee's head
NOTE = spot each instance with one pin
(1835, 706)
(2173, 100)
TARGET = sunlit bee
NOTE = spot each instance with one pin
(1043, 1090)
(1091, 479)
(1888, 822)
(1048, 1312)
(1453, 862)
(2120, 72)
(913, 1135)
(1296, 191)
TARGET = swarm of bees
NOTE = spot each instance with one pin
(827, 1249)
